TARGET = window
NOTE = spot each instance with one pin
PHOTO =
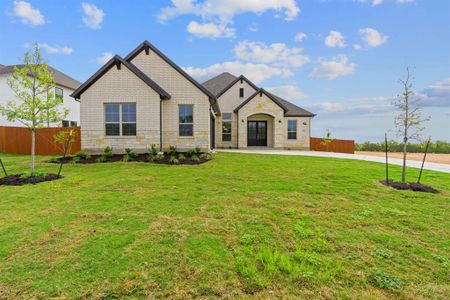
(292, 129)
(186, 120)
(65, 123)
(73, 124)
(59, 93)
(241, 92)
(120, 119)
(226, 127)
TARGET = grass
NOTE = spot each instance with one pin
(238, 226)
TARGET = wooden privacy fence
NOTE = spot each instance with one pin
(341, 146)
(17, 140)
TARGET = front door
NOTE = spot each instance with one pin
(257, 133)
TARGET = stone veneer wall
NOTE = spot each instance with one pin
(119, 86)
(182, 92)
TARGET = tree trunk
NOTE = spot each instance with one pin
(404, 161)
(33, 148)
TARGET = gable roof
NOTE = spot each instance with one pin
(59, 77)
(117, 61)
(223, 82)
(290, 110)
(146, 45)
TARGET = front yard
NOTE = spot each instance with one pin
(238, 226)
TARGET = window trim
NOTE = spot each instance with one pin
(227, 121)
(120, 122)
(62, 93)
(241, 92)
(179, 123)
(292, 131)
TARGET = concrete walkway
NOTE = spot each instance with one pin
(394, 161)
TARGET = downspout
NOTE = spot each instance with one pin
(160, 126)
(237, 128)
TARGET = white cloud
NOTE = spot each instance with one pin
(225, 10)
(27, 14)
(278, 54)
(372, 37)
(255, 72)
(335, 39)
(288, 92)
(357, 47)
(104, 58)
(210, 30)
(254, 27)
(56, 49)
(374, 2)
(405, 1)
(93, 16)
(333, 68)
(300, 36)
(436, 95)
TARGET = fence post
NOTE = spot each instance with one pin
(3, 167)
(423, 161)
(387, 162)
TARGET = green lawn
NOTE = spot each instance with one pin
(238, 226)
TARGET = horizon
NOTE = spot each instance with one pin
(339, 60)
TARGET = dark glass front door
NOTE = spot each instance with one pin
(257, 133)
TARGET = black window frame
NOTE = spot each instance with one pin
(241, 92)
(62, 93)
(226, 122)
(117, 128)
(183, 123)
(292, 134)
(65, 123)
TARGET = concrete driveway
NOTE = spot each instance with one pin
(394, 161)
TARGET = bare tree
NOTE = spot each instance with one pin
(408, 122)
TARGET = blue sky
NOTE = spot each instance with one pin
(340, 59)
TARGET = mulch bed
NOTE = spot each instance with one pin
(416, 187)
(140, 158)
(16, 179)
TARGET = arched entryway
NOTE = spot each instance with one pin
(260, 130)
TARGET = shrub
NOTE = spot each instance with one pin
(384, 280)
(173, 160)
(195, 158)
(129, 155)
(36, 174)
(151, 157)
(82, 155)
(102, 159)
(76, 159)
(160, 156)
(153, 150)
(194, 151)
(393, 146)
(108, 152)
(172, 150)
(181, 157)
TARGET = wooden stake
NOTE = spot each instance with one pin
(69, 140)
(387, 161)
(3, 167)
(423, 161)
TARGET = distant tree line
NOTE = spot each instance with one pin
(393, 146)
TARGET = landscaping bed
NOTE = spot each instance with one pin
(416, 187)
(19, 179)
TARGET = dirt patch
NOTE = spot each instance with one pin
(416, 187)
(431, 157)
(140, 158)
(17, 179)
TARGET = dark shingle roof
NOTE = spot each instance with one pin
(217, 84)
(59, 77)
(292, 109)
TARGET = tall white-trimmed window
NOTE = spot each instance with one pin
(120, 119)
(59, 93)
(292, 129)
(226, 127)
(186, 119)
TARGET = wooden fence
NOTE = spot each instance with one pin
(341, 146)
(17, 140)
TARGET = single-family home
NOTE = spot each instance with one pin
(65, 86)
(145, 98)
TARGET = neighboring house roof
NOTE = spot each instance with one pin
(223, 82)
(59, 77)
(290, 110)
(146, 45)
(118, 61)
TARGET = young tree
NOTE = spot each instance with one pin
(327, 140)
(408, 122)
(34, 102)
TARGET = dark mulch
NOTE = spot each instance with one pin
(141, 158)
(16, 179)
(416, 187)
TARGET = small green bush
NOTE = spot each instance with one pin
(108, 152)
(384, 280)
(173, 160)
(76, 159)
(131, 153)
(195, 158)
(82, 155)
(160, 156)
(181, 157)
(151, 157)
(102, 159)
(37, 174)
(153, 150)
(172, 151)
(194, 151)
